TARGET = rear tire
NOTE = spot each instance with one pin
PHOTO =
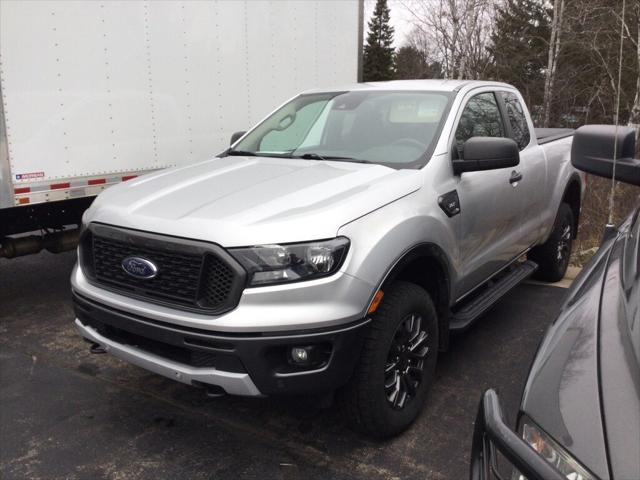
(396, 369)
(553, 256)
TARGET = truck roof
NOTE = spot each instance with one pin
(427, 85)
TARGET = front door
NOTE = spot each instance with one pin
(489, 201)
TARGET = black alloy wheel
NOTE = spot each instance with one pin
(405, 361)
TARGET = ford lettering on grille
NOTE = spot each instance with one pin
(139, 267)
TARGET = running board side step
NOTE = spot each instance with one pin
(496, 289)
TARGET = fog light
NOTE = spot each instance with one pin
(300, 355)
(309, 356)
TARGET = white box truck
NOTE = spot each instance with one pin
(96, 93)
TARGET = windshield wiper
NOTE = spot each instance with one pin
(310, 156)
(315, 156)
(242, 153)
(305, 156)
(246, 153)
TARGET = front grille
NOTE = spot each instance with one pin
(177, 277)
(191, 275)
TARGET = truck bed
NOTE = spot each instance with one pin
(546, 135)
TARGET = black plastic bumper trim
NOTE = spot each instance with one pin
(263, 356)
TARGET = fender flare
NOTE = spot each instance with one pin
(573, 178)
(431, 251)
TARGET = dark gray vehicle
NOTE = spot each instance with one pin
(579, 416)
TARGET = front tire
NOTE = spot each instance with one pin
(396, 369)
(553, 256)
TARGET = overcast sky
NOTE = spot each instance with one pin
(400, 19)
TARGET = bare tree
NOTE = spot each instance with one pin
(555, 42)
(458, 30)
(634, 37)
(604, 24)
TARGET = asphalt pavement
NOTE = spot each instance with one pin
(68, 414)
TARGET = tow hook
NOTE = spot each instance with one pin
(211, 391)
(214, 392)
(97, 349)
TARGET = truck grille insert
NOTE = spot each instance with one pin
(190, 275)
(217, 279)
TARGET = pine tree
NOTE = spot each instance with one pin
(519, 47)
(378, 51)
(411, 63)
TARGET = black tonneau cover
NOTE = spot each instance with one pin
(546, 135)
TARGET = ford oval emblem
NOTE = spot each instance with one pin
(139, 267)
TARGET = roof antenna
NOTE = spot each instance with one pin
(610, 228)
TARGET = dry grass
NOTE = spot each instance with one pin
(595, 212)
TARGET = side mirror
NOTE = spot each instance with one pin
(236, 136)
(487, 153)
(592, 151)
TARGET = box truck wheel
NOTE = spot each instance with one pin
(396, 369)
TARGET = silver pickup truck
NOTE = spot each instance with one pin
(333, 247)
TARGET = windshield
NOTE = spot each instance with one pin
(398, 129)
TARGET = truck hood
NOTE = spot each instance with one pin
(241, 201)
(620, 355)
(562, 391)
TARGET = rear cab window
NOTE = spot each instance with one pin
(517, 119)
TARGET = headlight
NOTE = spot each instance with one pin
(552, 452)
(273, 264)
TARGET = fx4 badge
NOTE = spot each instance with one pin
(450, 203)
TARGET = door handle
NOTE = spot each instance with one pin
(515, 178)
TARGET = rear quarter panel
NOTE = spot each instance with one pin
(560, 173)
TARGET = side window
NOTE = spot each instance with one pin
(480, 118)
(517, 119)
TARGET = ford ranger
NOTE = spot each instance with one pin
(333, 247)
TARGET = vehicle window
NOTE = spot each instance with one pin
(480, 118)
(293, 128)
(394, 128)
(517, 119)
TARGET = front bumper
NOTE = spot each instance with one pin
(233, 383)
(240, 364)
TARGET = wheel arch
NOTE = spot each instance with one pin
(572, 196)
(427, 266)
